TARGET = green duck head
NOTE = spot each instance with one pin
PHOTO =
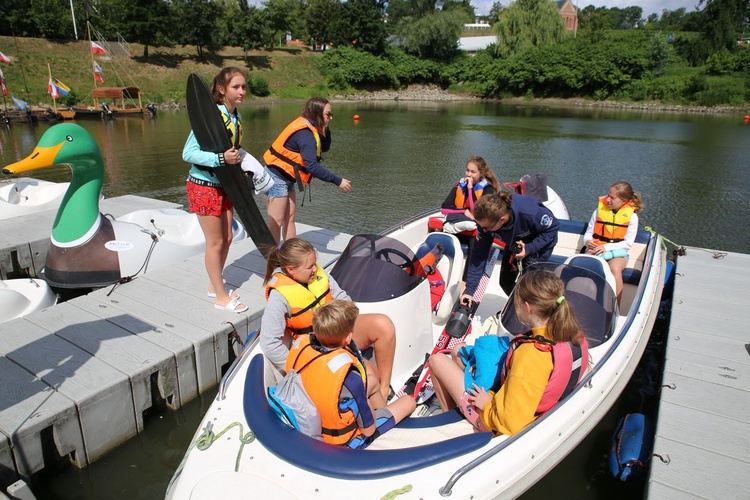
(70, 144)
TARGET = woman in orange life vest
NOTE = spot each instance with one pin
(295, 157)
(525, 390)
(613, 228)
(347, 395)
(458, 207)
(205, 195)
(295, 286)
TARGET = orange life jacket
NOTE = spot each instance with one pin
(612, 226)
(302, 299)
(290, 161)
(462, 190)
(323, 375)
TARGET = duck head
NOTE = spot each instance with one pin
(70, 144)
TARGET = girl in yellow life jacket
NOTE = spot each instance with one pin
(458, 207)
(295, 286)
(295, 157)
(344, 388)
(613, 228)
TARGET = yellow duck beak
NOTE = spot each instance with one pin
(41, 157)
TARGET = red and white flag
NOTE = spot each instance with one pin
(2, 84)
(5, 59)
(98, 73)
(52, 89)
(97, 49)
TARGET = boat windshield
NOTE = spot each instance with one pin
(593, 301)
(374, 268)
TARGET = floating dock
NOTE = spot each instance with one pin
(703, 425)
(77, 378)
(24, 240)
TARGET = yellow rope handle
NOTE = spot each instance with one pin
(393, 494)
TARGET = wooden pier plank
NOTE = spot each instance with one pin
(102, 394)
(704, 420)
(28, 406)
(134, 356)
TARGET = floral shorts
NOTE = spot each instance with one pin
(207, 200)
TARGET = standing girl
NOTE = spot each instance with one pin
(294, 157)
(527, 389)
(205, 195)
(296, 286)
(613, 228)
(458, 207)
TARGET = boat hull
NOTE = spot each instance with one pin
(254, 455)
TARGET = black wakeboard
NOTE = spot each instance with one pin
(211, 134)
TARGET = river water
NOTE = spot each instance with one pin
(402, 158)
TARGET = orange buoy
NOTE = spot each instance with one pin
(746, 118)
(355, 117)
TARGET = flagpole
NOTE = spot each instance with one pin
(54, 101)
(73, 14)
(91, 51)
(23, 73)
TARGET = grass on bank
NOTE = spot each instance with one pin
(290, 74)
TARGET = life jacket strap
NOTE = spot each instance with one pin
(340, 432)
(296, 166)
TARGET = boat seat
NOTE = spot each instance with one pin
(451, 267)
(341, 462)
(596, 265)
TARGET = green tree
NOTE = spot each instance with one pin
(463, 6)
(52, 19)
(724, 21)
(360, 25)
(195, 24)
(526, 24)
(142, 21)
(318, 19)
(15, 18)
(659, 54)
(285, 16)
(495, 11)
(435, 36)
(246, 26)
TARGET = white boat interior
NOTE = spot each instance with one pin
(439, 454)
(19, 297)
(26, 196)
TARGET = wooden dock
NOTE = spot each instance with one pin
(77, 378)
(24, 240)
(704, 412)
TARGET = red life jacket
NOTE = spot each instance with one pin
(569, 362)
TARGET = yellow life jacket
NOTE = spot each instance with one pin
(323, 375)
(234, 128)
(291, 162)
(302, 299)
(612, 226)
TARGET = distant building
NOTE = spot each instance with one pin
(569, 14)
(477, 25)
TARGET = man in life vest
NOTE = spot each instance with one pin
(344, 388)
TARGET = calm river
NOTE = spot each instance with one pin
(402, 158)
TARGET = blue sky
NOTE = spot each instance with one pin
(649, 6)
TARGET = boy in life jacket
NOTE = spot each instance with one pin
(344, 388)
(613, 227)
(541, 367)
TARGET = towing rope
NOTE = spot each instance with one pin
(393, 494)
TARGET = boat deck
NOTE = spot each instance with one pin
(77, 378)
(704, 412)
(24, 240)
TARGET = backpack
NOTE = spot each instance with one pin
(290, 402)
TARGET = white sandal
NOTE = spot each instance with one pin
(232, 306)
(232, 294)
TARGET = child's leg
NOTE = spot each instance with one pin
(377, 330)
(374, 394)
(616, 265)
(447, 379)
(402, 407)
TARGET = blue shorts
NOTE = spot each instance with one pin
(282, 186)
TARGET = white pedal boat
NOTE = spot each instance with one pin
(242, 448)
(19, 297)
(27, 196)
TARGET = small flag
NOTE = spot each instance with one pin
(2, 84)
(4, 58)
(97, 49)
(97, 68)
(19, 103)
(56, 88)
(98, 78)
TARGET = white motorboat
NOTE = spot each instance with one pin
(242, 448)
(19, 297)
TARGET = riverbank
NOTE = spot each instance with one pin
(436, 93)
